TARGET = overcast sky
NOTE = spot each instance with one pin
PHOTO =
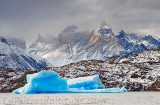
(27, 18)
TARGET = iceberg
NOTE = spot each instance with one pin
(43, 82)
(86, 83)
(48, 81)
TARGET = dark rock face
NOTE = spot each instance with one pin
(11, 79)
(155, 86)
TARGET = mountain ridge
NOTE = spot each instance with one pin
(16, 58)
(73, 45)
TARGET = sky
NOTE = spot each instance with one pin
(26, 18)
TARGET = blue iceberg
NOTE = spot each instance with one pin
(43, 82)
(48, 81)
(85, 83)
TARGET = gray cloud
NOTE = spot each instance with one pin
(27, 18)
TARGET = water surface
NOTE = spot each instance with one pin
(129, 98)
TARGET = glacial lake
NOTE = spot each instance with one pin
(128, 98)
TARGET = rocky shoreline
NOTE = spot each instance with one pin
(140, 72)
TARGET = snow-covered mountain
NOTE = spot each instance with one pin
(13, 57)
(73, 45)
(133, 43)
(138, 72)
(43, 45)
(17, 42)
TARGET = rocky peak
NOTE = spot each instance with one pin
(40, 38)
(3, 40)
(105, 29)
(121, 35)
(71, 28)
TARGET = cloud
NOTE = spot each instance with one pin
(27, 18)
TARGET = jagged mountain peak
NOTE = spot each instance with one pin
(121, 34)
(71, 34)
(18, 42)
(13, 57)
(71, 28)
(48, 39)
(40, 38)
(150, 38)
(105, 29)
(151, 42)
(3, 40)
(129, 36)
(73, 45)
(102, 34)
